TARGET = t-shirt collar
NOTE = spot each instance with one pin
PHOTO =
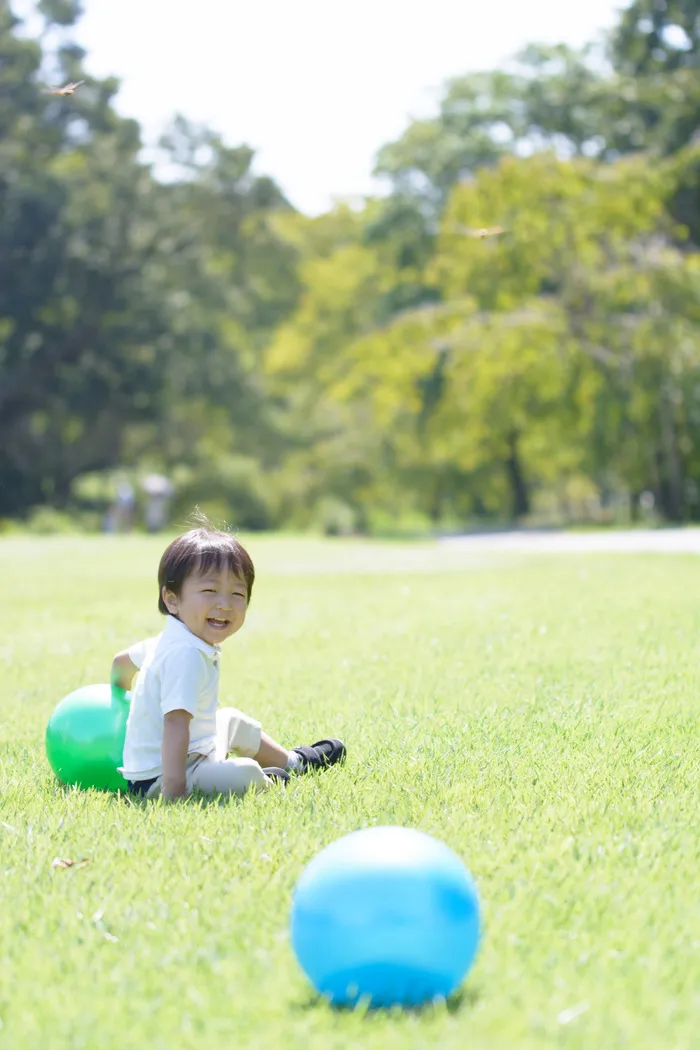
(184, 635)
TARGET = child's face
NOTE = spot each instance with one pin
(212, 606)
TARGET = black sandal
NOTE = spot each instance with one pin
(323, 753)
(277, 774)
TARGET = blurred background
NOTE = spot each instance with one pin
(240, 267)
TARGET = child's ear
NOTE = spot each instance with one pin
(169, 600)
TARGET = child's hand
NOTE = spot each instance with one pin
(123, 671)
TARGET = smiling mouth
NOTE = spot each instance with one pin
(218, 625)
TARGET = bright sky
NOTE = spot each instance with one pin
(315, 86)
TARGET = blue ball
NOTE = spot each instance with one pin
(386, 915)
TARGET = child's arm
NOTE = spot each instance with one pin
(176, 741)
(123, 671)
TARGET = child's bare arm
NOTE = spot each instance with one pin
(176, 741)
(123, 671)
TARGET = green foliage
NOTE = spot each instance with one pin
(373, 364)
(60, 12)
(658, 37)
(47, 521)
(547, 98)
(566, 348)
(124, 304)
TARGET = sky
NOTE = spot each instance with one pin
(316, 87)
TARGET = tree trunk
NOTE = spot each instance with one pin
(519, 491)
(673, 474)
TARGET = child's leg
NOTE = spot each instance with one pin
(236, 732)
(270, 753)
(234, 776)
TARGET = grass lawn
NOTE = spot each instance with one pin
(538, 714)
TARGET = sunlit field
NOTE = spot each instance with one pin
(539, 714)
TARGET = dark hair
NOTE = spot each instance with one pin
(199, 551)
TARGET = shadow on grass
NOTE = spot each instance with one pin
(463, 999)
(197, 799)
(136, 801)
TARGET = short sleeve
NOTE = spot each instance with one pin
(183, 677)
(138, 651)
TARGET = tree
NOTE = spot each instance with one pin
(588, 247)
(566, 348)
(641, 94)
(548, 97)
(657, 36)
(129, 310)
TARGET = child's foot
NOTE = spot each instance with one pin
(320, 755)
(280, 776)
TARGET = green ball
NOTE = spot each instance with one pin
(85, 738)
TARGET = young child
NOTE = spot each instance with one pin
(177, 737)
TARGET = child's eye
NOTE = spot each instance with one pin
(208, 590)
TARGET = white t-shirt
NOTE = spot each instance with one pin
(177, 672)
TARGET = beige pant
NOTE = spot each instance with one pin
(216, 773)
